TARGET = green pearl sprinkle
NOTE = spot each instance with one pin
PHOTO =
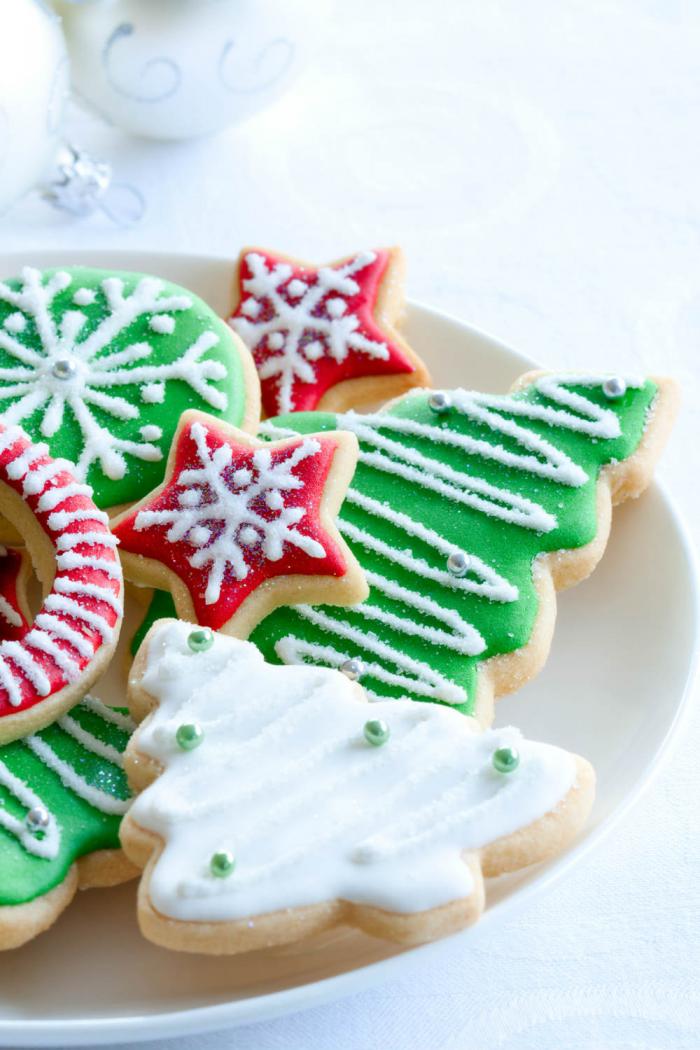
(200, 640)
(189, 736)
(222, 864)
(505, 760)
(376, 732)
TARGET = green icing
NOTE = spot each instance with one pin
(83, 826)
(430, 669)
(432, 666)
(161, 606)
(95, 417)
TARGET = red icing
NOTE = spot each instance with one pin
(10, 567)
(16, 476)
(152, 540)
(328, 372)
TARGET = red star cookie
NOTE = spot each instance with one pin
(14, 612)
(325, 337)
(239, 527)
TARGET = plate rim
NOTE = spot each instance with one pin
(201, 1019)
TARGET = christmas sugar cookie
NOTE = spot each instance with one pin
(466, 512)
(325, 337)
(289, 805)
(101, 365)
(46, 670)
(239, 527)
(63, 793)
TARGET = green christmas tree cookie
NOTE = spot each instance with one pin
(63, 793)
(457, 499)
(101, 365)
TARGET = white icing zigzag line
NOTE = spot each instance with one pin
(95, 376)
(89, 741)
(461, 637)
(49, 845)
(335, 331)
(545, 460)
(207, 499)
(408, 463)
(71, 779)
(542, 458)
(589, 419)
(418, 678)
(46, 846)
(489, 583)
(108, 714)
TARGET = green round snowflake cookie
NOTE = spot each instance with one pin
(101, 365)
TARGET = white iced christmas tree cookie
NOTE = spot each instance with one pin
(276, 802)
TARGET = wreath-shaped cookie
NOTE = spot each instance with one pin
(48, 669)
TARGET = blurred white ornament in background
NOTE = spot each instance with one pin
(33, 90)
(176, 69)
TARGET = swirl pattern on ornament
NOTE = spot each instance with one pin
(154, 69)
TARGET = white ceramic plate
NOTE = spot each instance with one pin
(93, 979)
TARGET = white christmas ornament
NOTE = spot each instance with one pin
(33, 89)
(175, 69)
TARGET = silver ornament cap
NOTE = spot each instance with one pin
(614, 387)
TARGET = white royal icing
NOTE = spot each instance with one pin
(302, 329)
(47, 844)
(8, 612)
(415, 459)
(99, 370)
(76, 607)
(84, 297)
(216, 512)
(285, 780)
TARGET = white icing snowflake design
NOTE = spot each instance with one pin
(87, 372)
(310, 320)
(217, 513)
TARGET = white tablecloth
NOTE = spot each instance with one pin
(540, 163)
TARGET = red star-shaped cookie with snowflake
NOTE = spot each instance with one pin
(239, 526)
(14, 612)
(325, 337)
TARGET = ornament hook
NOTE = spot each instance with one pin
(84, 185)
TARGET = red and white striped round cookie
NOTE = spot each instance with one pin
(47, 670)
